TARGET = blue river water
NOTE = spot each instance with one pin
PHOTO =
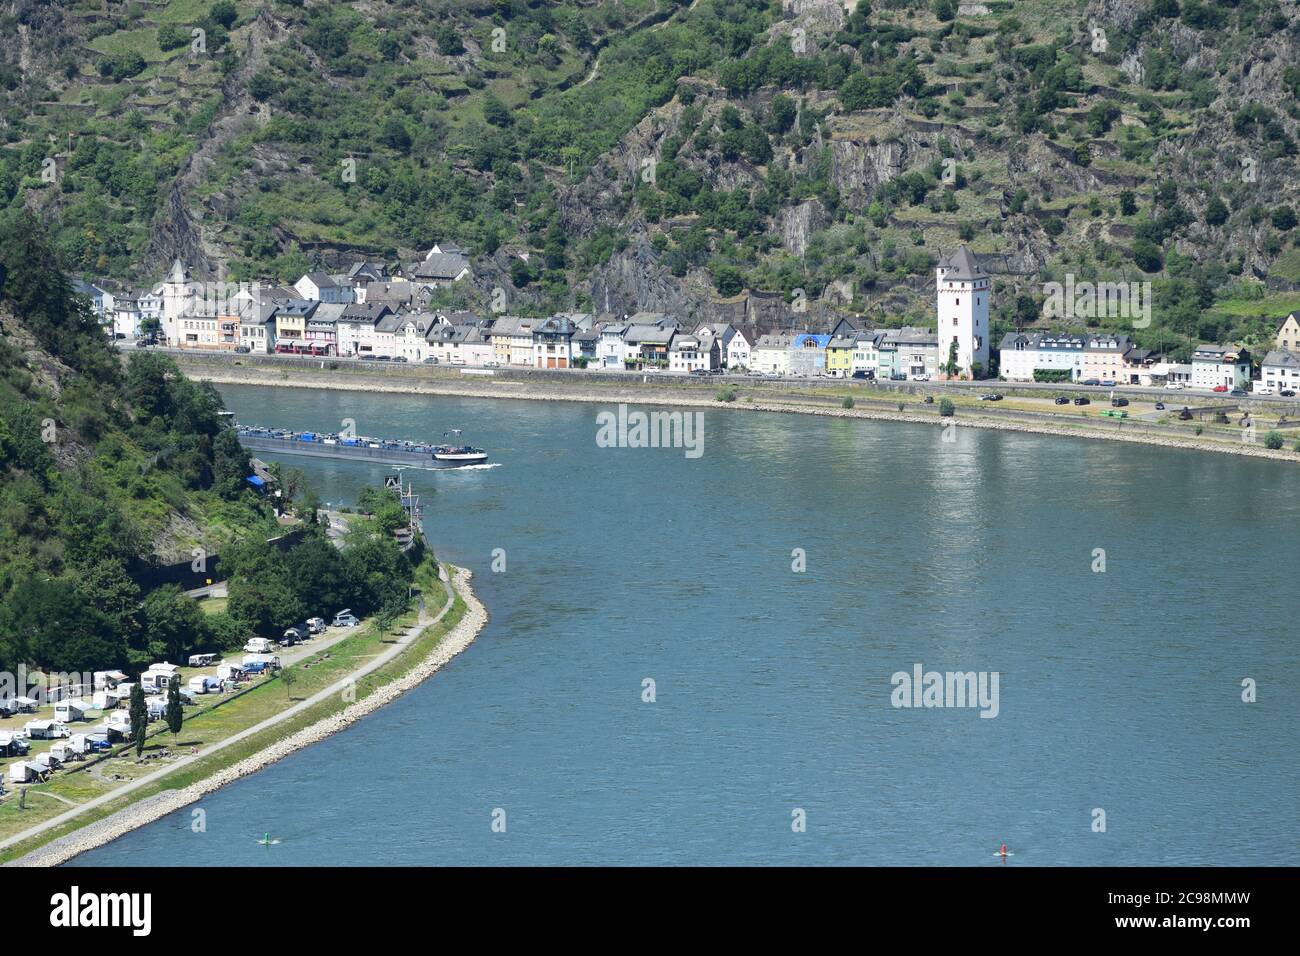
(1119, 690)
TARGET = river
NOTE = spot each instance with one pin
(1119, 691)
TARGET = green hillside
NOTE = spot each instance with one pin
(652, 154)
(109, 470)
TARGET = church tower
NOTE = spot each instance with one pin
(963, 289)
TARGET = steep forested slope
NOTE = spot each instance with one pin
(646, 154)
(103, 470)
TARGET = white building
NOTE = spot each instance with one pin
(322, 287)
(733, 347)
(1280, 370)
(693, 353)
(1215, 365)
(963, 289)
(410, 335)
(610, 349)
(866, 355)
(356, 329)
(771, 353)
(1023, 353)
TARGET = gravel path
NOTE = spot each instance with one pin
(159, 805)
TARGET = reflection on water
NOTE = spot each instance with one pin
(1118, 690)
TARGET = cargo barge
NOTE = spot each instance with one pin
(385, 451)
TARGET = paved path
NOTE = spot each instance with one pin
(337, 687)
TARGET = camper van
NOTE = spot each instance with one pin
(156, 682)
(203, 660)
(68, 711)
(107, 680)
(259, 645)
(45, 730)
(345, 618)
(204, 685)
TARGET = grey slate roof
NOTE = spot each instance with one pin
(440, 265)
(961, 266)
(1282, 357)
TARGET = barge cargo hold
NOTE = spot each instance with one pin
(378, 450)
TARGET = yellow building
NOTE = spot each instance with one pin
(839, 356)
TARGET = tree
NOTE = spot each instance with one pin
(1127, 203)
(175, 710)
(288, 676)
(173, 623)
(1216, 213)
(139, 717)
(946, 407)
(951, 367)
(224, 13)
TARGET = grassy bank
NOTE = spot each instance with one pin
(213, 725)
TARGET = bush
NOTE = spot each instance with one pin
(848, 402)
(1198, 429)
(1273, 440)
(946, 408)
(727, 394)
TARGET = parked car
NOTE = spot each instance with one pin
(1160, 406)
(1108, 383)
(345, 618)
(383, 358)
(242, 349)
(1093, 381)
(1287, 393)
(1118, 402)
(400, 358)
(294, 635)
(1062, 400)
(1082, 400)
(1220, 388)
(316, 625)
(1172, 386)
(864, 373)
(491, 364)
(990, 397)
(1238, 393)
(431, 360)
(1262, 390)
(369, 358)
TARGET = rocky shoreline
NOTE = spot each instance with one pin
(485, 388)
(160, 805)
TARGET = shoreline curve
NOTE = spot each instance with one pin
(155, 807)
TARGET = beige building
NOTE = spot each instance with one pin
(512, 340)
(1103, 357)
(1288, 333)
